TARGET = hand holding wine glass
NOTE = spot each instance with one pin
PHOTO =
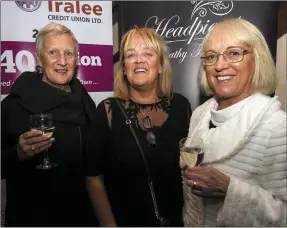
(34, 141)
(207, 181)
(44, 123)
(31, 143)
(204, 181)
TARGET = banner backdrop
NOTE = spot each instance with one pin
(90, 21)
(183, 24)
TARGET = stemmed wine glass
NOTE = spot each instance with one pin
(191, 152)
(44, 123)
(191, 155)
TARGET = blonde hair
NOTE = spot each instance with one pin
(264, 77)
(56, 29)
(154, 42)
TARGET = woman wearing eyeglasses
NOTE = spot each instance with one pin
(242, 179)
(117, 176)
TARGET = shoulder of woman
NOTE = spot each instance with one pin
(201, 108)
(27, 74)
(273, 116)
(277, 119)
(106, 104)
(26, 79)
(7, 100)
(107, 101)
(180, 97)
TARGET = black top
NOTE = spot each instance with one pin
(117, 157)
(55, 197)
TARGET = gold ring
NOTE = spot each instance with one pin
(33, 148)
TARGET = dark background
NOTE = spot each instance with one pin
(264, 14)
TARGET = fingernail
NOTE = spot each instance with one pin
(52, 139)
(39, 132)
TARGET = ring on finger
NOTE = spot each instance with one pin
(33, 148)
(194, 184)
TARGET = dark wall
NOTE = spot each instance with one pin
(183, 24)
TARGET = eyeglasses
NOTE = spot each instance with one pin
(232, 55)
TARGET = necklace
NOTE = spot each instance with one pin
(150, 136)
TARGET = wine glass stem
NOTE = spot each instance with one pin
(46, 158)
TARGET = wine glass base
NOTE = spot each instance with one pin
(46, 166)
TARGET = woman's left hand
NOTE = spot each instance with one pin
(206, 181)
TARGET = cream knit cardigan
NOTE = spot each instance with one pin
(249, 147)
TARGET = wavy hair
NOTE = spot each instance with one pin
(154, 42)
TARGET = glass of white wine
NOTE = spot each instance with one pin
(191, 155)
(191, 152)
(44, 123)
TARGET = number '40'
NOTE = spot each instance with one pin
(10, 65)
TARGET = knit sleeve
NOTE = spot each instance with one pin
(263, 204)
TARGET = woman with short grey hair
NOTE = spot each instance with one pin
(54, 196)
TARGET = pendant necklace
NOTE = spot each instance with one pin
(150, 136)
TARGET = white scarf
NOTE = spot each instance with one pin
(225, 140)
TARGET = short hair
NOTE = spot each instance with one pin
(264, 77)
(154, 42)
(56, 29)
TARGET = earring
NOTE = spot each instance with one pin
(39, 69)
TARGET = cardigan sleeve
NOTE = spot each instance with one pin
(263, 204)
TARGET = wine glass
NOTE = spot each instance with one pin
(191, 152)
(44, 123)
(191, 155)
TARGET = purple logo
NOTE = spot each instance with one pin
(28, 6)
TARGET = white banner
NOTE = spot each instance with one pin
(90, 21)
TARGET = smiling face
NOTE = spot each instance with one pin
(58, 59)
(231, 82)
(141, 64)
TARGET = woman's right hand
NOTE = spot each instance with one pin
(206, 181)
(33, 142)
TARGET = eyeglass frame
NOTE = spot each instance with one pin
(244, 52)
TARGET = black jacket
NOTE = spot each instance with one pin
(55, 197)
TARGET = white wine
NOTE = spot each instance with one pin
(44, 123)
(192, 156)
(48, 130)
